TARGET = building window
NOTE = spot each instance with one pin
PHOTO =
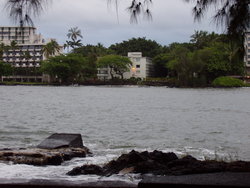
(138, 66)
(248, 62)
(137, 59)
(102, 72)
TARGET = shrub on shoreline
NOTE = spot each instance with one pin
(226, 81)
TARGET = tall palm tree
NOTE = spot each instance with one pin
(74, 33)
(50, 49)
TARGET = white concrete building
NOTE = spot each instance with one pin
(27, 56)
(247, 52)
(142, 67)
(22, 35)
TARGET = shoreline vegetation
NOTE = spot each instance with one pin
(194, 64)
(220, 82)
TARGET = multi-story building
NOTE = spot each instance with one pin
(26, 55)
(22, 35)
(247, 52)
(142, 67)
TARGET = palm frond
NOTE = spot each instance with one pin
(22, 11)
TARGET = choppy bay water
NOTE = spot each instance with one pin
(206, 123)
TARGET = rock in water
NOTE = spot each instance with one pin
(61, 140)
(86, 169)
(159, 163)
(52, 151)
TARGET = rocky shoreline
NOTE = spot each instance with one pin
(41, 157)
(62, 147)
(54, 150)
(159, 163)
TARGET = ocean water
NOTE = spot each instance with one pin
(206, 123)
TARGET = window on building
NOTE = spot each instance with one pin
(138, 66)
(102, 72)
(248, 62)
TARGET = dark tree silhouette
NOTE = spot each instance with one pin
(234, 15)
(22, 10)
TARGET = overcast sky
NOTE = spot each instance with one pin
(172, 21)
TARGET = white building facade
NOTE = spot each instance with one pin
(26, 57)
(142, 67)
(247, 52)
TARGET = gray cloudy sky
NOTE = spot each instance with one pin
(172, 21)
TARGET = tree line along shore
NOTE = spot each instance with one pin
(208, 59)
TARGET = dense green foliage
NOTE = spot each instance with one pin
(93, 51)
(198, 63)
(118, 65)
(51, 49)
(149, 48)
(5, 69)
(226, 81)
(69, 68)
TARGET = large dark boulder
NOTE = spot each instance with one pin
(159, 163)
(61, 140)
(133, 162)
(86, 169)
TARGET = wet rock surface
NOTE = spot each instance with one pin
(62, 140)
(159, 163)
(54, 150)
(41, 157)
